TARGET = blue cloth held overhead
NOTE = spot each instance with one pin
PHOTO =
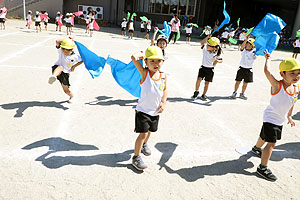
(93, 63)
(167, 29)
(267, 33)
(225, 21)
(126, 75)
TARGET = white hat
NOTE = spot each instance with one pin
(58, 13)
(46, 13)
(37, 12)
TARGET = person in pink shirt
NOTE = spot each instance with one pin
(175, 23)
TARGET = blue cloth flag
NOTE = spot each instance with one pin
(225, 21)
(93, 63)
(167, 29)
(267, 34)
(126, 75)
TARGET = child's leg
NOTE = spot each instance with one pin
(67, 91)
(244, 87)
(58, 71)
(205, 87)
(296, 54)
(147, 138)
(237, 85)
(199, 79)
(260, 142)
(139, 143)
(266, 153)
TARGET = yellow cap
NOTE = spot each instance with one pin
(213, 41)
(289, 64)
(67, 44)
(251, 41)
(154, 52)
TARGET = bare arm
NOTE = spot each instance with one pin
(274, 82)
(204, 40)
(76, 65)
(135, 59)
(58, 42)
(162, 106)
(289, 116)
(154, 35)
(244, 43)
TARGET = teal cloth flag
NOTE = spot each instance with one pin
(225, 21)
(93, 63)
(126, 75)
(267, 34)
(167, 29)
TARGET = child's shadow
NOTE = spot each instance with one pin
(287, 150)
(209, 102)
(296, 116)
(103, 101)
(59, 145)
(22, 106)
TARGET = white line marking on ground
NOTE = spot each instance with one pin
(24, 66)
(9, 34)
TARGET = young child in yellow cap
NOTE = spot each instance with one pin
(66, 63)
(284, 95)
(151, 103)
(211, 52)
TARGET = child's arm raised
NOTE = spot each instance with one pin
(204, 40)
(153, 37)
(244, 43)
(274, 82)
(289, 116)
(162, 106)
(58, 42)
(135, 59)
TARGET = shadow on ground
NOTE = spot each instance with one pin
(104, 101)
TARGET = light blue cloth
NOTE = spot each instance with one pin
(167, 29)
(225, 21)
(126, 75)
(267, 34)
(93, 63)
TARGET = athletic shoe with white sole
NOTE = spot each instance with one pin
(138, 163)
(266, 174)
(52, 79)
(146, 150)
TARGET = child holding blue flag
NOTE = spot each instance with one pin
(211, 53)
(245, 71)
(151, 103)
(66, 63)
(284, 96)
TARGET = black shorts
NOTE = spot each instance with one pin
(45, 23)
(130, 31)
(206, 73)
(68, 25)
(270, 132)
(123, 28)
(2, 20)
(188, 34)
(244, 74)
(142, 30)
(296, 50)
(37, 23)
(56, 23)
(148, 30)
(145, 122)
(224, 40)
(240, 41)
(63, 77)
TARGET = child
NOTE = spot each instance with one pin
(87, 22)
(91, 25)
(175, 28)
(142, 30)
(211, 53)
(284, 96)
(242, 38)
(231, 34)
(161, 42)
(151, 103)
(245, 71)
(66, 63)
(148, 29)
(57, 20)
(188, 30)
(224, 37)
(38, 20)
(130, 29)
(2, 18)
(29, 19)
(46, 20)
(123, 27)
(68, 21)
(296, 46)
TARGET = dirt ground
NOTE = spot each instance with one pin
(51, 149)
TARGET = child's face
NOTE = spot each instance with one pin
(162, 44)
(248, 46)
(211, 48)
(67, 52)
(291, 76)
(154, 65)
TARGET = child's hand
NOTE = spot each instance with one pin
(290, 121)
(267, 55)
(156, 29)
(161, 108)
(137, 56)
(71, 38)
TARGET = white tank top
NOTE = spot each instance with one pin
(297, 43)
(152, 91)
(280, 104)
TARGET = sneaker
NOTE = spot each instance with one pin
(242, 96)
(146, 150)
(257, 151)
(233, 96)
(266, 174)
(203, 97)
(52, 79)
(138, 163)
(196, 93)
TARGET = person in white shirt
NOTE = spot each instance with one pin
(68, 20)
(46, 19)
(130, 29)
(245, 72)
(58, 21)
(2, 18)
(242, 38)
(123, 27)
(29, 19)
(148, 27)
(66, 63)
(188, 32)
(142, 28)
(231, 34)
(38, 20)
(224, 37)
(91, 24)
(296, 46)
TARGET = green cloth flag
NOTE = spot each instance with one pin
(133, 15)
(128, 15)
(249, 31)
(178, 36)
(145, 19)
(195, 25)
(298, 33)
(202, 32)
(231, 40)
(238, 22)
